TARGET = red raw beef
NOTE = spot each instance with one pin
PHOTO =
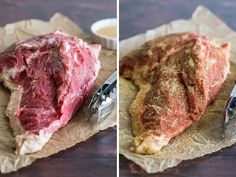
(49, 77)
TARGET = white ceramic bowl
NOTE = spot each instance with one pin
(105, 41)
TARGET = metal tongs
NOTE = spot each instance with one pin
(229, 109)
(103, 101)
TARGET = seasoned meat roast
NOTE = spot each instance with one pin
(178, 76)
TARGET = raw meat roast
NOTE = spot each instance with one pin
(178, 76)
(49, 77)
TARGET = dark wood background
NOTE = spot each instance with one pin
(137, 16)
(96, 156)
(82, 12)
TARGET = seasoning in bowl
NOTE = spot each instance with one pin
(109, 31)
(105, 32)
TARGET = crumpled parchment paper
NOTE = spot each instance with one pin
(205, 136)
(78, 129)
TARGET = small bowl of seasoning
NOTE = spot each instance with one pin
(105, 32)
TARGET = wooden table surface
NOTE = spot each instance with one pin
(97, 155)
(137, 16)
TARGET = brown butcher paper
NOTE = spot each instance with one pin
(78, 129)
(205, 136)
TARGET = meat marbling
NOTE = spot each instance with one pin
(178, 76)
(49, 77)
